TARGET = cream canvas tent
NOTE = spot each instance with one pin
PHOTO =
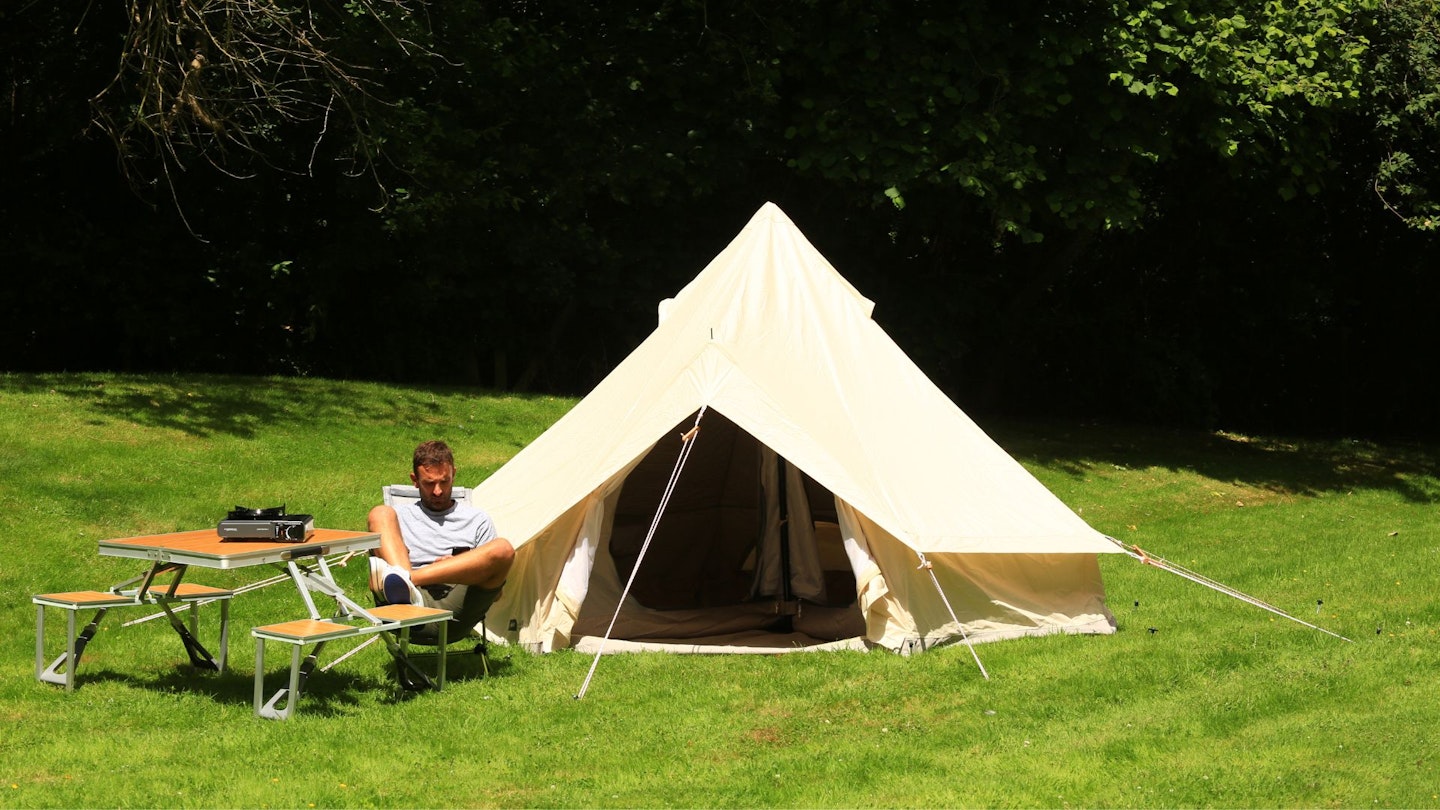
(826, 469)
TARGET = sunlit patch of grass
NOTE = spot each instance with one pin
(1197, 700)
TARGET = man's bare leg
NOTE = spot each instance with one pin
(485, 566)
(392, 549)
(382, 519)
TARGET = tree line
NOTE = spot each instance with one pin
(1199, 214)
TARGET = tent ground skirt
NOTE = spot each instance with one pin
(735, 644)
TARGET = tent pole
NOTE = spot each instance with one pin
(929, 569)
(786, 621)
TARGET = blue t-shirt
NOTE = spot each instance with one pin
(432, 535)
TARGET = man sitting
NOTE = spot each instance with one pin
(438, 552)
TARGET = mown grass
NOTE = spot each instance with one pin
(1197, 701)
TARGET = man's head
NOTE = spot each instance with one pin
(433, 473)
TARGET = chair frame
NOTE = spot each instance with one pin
(394, 494)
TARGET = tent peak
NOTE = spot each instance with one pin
(770, 212)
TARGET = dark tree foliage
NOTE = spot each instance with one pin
(1406, 109)
(1209, 214)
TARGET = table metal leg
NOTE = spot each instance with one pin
(301, 665)
(39, 642)
(62, 670)
(200, 657)
(309, 580)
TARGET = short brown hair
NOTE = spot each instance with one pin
(433, 453)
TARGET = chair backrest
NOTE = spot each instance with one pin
(396, 494)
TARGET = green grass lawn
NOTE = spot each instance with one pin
(1197, 701)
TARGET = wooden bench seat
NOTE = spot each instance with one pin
(395, 621)
(83, 599)
(307, 631)
(61, 670)
(185, 592)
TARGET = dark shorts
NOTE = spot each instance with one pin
(469, 603)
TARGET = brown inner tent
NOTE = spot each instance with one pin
(742, 533)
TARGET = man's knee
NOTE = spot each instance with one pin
(499, 555)
(503, 553)
(381, 516)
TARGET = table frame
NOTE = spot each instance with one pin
(175, 553)
(304, 562)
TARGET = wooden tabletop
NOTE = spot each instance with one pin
(205, 548)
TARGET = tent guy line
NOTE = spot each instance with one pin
(687, 443)
(930, 569)
(1146, 558)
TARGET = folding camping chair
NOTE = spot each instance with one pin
(395, 495)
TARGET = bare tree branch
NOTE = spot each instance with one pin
(225, 80)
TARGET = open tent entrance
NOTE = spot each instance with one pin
(746, 556)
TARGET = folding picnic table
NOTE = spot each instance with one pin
(174, 553)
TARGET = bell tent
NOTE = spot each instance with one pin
(769, 471)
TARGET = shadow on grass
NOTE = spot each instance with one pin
(208, 405)
(462, 666)
(1298, 466)
(323, 693)
(204, 405)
